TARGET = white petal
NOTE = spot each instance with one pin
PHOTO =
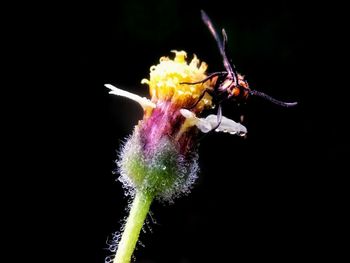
(187, 114)
(192, 120)
(144, 102)
(226, 125)
(210, 122)
(204, 126)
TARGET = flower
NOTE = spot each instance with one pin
(160, 157)
(166, 77)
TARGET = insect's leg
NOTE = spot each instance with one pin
(206, 90)
(219, 118)
(199, 99)
(212, 75)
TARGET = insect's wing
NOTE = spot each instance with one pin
(230, 65)
(211, 27)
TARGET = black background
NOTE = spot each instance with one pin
(277, 195)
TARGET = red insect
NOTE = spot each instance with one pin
(229, 84)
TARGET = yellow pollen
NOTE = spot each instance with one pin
(165, 78)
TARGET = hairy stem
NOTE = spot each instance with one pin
(138, 212)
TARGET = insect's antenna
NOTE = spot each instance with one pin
(269, 98)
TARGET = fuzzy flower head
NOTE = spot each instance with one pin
(166, 78)
(160, 156)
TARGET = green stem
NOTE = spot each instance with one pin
(138, 212)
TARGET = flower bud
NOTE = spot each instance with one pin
(160, 157)
(163, 172)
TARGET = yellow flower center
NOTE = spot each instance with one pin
(166, 78)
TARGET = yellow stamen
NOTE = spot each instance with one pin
(165, 78)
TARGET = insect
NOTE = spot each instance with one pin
(229, 84)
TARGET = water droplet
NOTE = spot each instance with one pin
(151, 216)
(140, 243)
(148, 225)
(164, 168)
(109, 259)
